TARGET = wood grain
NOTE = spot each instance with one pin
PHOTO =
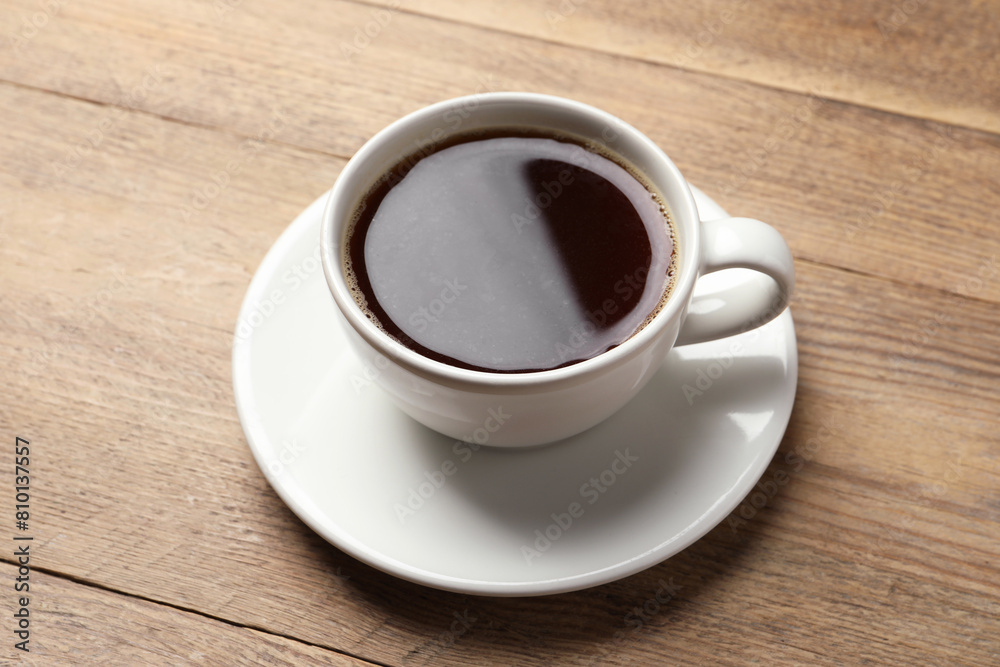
(865, 190)
(74, 624)
(152, 152)
(916, 58)
(879, 544)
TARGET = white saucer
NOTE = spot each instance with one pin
(674, 462)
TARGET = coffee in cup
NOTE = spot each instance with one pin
(511, 250)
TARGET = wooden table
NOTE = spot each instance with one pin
(151, 153)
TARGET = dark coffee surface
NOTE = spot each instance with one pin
(510, 253)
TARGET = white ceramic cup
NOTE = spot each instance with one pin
(520, 409)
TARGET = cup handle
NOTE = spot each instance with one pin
(731, 243)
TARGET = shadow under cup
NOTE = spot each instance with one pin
(510, 409)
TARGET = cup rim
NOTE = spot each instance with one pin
(685, 217)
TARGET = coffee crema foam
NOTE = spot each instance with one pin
(493, 251)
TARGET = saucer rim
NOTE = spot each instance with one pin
(309, 512)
